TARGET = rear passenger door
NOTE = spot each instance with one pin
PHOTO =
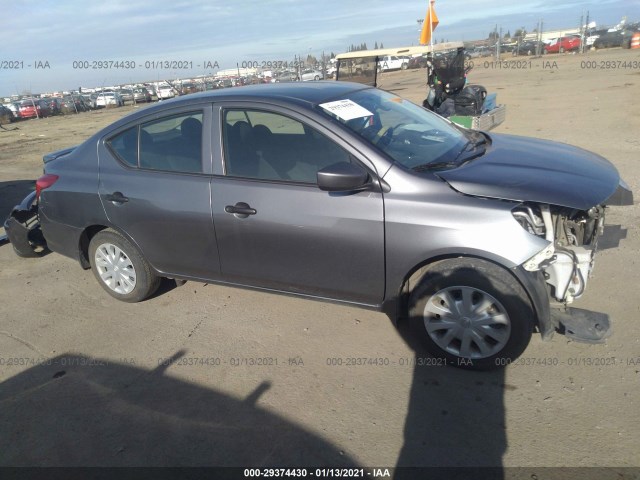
(155, 187)
(275, 228)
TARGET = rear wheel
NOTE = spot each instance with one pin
(120, 268)
(471, 313)
(561, 49)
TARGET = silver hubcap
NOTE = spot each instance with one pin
(115, 268)
(467, 322)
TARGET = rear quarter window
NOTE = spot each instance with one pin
(125, 146)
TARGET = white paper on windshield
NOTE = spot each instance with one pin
(346, 109)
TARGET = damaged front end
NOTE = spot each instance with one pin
(23, 228)
(567, 262)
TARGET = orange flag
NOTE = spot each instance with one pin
(430, 23)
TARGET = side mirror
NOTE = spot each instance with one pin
(342, 177)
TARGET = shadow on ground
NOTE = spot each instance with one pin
(80, 411)
(455, 418)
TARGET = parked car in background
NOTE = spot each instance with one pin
(592, 37)
(310, 74)
(331, 71)
(188, 87)
(505, 47)
(338, 192)
(528, 48)
(126, 95)
(34, 108)
(89, 101)
(285, 76)
(609, 39)
(72, 104)
(479, 52)
(6, 115)
(15, 109)
(141, 94)
(419, 61)
(393, 62)
(567, 43)
(106, 99)
(165, 91)
(54, 104)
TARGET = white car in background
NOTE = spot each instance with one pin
(15, 109)
(105, 99)
(164, 92)
(392, 62)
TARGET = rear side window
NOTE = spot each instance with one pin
(171, 144)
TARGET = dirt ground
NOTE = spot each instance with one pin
(264, 380)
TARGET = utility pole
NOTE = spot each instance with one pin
(581, 32)
(586, 29)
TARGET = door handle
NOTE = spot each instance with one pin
(116, 197)
(240, 210)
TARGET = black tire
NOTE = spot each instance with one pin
(146, 282)
(493, 287)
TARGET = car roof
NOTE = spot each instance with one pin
(309, 93)
(305, 94)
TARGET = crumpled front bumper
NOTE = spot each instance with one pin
(23, 228)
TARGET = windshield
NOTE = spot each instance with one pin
(411, 135)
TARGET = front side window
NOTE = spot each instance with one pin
(270, 146)
(172, 143)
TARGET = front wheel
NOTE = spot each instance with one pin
(120, 269)
(471, 313)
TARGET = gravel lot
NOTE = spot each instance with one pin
(86, 381)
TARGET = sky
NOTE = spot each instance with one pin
(41, 39)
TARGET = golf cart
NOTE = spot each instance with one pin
(449, 95)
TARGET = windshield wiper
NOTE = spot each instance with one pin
(434, 166)
(474, 148)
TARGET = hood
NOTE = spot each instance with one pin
(528, 169)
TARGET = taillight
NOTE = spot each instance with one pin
(43, 182)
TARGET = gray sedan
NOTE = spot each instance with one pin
(341, 192)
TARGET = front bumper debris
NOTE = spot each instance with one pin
(582, 325)
(23, 229)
